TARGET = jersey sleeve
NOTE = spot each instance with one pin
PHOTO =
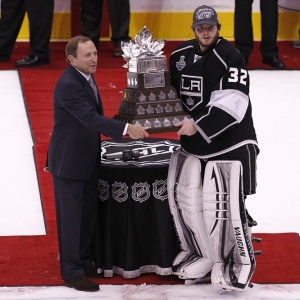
(229, 101)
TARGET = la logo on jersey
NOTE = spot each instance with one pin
(191, 91)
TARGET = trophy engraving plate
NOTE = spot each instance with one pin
(148, 80)
(152, 80)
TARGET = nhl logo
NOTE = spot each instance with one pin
(119, 191)
(141, 192)
(103, 190)
(160, 191)
(181, 64)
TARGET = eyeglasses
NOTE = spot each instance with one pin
(201, 29)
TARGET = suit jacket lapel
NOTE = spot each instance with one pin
(88, 89)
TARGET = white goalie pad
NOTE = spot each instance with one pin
(227, 226)
(186, 206)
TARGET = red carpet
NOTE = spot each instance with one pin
(32, 260)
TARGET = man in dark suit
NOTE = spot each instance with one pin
(40, 15)
(74, 160)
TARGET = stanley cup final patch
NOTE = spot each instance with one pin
(181, 63)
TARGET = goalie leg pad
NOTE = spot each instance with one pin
(227, 226)
(186, 206)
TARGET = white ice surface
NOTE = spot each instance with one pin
(21, 210)
(153, 292)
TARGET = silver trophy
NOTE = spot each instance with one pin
(149, 99)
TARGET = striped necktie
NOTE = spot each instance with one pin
(92, 84)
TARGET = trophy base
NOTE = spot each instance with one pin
(155, 124)
(163, 130)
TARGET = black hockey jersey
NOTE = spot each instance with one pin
(214, 88)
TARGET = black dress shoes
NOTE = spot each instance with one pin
(31, 61)
(93, 272)
(82, 283)
(274, 62)
(4, 58)
(118, 52)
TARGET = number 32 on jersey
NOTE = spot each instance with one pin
(237, 75)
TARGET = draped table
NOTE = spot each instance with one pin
(135, 232)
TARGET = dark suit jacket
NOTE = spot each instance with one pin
(75, 139)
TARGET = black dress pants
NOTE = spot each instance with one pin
(243, 31)
(119, 15)
(40, 15)
(76, 203)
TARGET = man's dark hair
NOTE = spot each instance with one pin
(72, 46)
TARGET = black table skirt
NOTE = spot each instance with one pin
(135, 231)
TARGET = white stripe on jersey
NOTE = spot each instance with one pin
(223, 62)
(208, 140)
(233, 102)
(223, 129)
(181, 49)
(219, 57)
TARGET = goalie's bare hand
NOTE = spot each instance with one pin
(187, 128)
